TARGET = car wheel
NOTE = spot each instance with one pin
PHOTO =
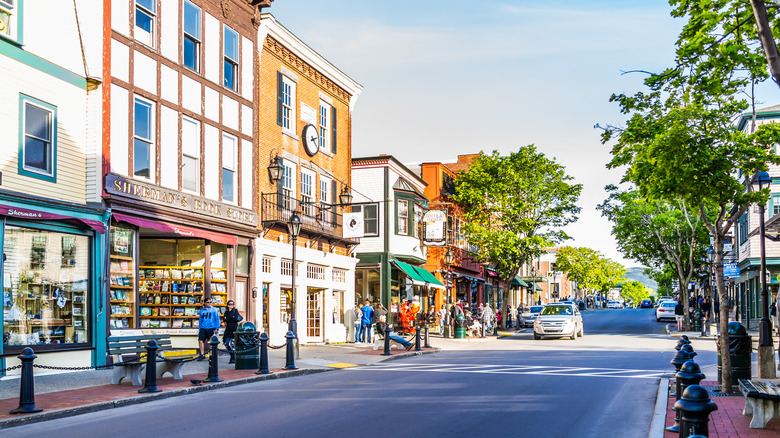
(658, 320)
(574, 335)
(581, 331)
(537, 337)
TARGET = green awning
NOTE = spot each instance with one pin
(419, 276)
(538, 287)
(518, 281)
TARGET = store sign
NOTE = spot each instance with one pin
(434, 227)
(730, 270)
(353, 225)
(127, 188)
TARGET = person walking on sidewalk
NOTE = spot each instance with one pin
(679, 315)
(357, 315)
(231, 319)
(208, 325)
(442, 315)
(706, 315)
(366, 322)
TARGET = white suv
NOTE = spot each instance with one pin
(559, 320)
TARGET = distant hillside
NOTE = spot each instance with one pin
(636, 274)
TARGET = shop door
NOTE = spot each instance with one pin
(314, 315)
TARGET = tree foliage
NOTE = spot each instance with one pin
(515, 206)
(634, 291)
(589, 268)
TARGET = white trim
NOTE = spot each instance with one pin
(326, 98)
(270, 27)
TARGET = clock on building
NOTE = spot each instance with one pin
(311, 139)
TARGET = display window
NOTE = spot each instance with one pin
(46, 287)
(122, 278)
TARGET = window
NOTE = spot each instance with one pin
(417, 226)
(9, 18)
(287, 187)
(142, 141)
(743, 228)
(145, 17)
(228, 168)
(403, 217)
(338, 307)
(38, 138)
(190, 155)
(324, 126)
(775, 203)
(370, 218)
(285, 111)
(191, 45)
(230, 64)
(307, 193)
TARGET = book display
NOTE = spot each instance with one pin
(121, 292)
(171, 296)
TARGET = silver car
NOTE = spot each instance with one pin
(529, 315)
(559, 320)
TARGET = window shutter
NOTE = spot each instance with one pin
(279, 98)
(333, 136)
(334, 199)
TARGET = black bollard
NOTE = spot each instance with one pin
(213, 361)
(417, 339)
(387, 342)
(483, 328)
(150, 384)
(263, 355)
(680, 343)
(290, 351)
(27, 385)
(689, 349)
(427, 345)
(679, 359)
(695, 406)
(684, 337)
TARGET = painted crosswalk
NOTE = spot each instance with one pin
(520, 370)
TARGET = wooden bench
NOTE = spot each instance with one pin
(762, 401)
(379, 342)
(127, 351)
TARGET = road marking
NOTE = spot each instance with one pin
(342, 365)
(521, 369)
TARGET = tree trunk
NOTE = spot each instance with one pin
(767, 39)
(723, 329)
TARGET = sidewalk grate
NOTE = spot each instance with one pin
(714, 391)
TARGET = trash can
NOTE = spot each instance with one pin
(460, 327)
(247, 347)
(696, 321)
(740, 348)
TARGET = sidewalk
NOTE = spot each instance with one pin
(70, 393)
(727, 421)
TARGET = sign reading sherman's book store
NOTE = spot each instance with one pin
(128, 188)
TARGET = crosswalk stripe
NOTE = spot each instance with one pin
(521, 370)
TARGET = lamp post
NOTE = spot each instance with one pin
(448, 261)
(766, 368)
(294, 226)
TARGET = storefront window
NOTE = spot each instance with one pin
(45, 287)
(242, 260)
(122, 278)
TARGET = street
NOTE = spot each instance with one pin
(514, 386)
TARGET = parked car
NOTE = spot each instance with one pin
(559, 320)
(665, 310)
(614, 305)
(646, 304)
(529, 315)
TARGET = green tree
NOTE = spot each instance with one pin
(655, 233)
(515, 206)
(589, 268)
(634, 291)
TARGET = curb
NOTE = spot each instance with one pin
(658, 423)
(405, 355)
(101, 406)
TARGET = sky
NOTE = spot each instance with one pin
(448, 77)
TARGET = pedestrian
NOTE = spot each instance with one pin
(381, 326)
(487, 318)
(679, 315)
(773, 314)
(508, 316)
(442, 315)
(231, 319)
(777, 316)
(365, 322)
(706, 314)
(379, 311)
(208, 325)
(357, 315)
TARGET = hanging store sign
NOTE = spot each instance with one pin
(353, 225)
(730, 270)
(434, 227)
(131, 189)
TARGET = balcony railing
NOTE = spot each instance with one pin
(315, 217)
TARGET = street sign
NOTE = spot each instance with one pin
(534, 279)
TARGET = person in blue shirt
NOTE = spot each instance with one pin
(208, 325)
(366, 321)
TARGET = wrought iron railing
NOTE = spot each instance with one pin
(315, 216)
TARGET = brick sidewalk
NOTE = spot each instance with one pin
(727, 421)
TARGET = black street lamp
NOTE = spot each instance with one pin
(275, 170)
(294, 227)
(448, 261)
(764, 327)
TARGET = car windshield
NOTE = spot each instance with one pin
(536, 309)
(557, 310)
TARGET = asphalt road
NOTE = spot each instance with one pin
(603, 384)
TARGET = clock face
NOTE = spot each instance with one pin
(311, 139)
